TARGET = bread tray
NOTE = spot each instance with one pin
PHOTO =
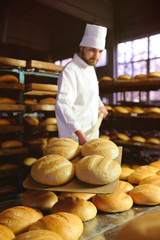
(76, 185)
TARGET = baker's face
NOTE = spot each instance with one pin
(90, 55)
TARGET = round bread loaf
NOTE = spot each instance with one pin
(153, 140)
(52, 170)
(48, 101)
(146, 194)
(124, 77)
(154, 110)
(141, 173)
(29, 161)
(145, 226)
(31, 120)
(39, 235)
(155, 164)
(125, 186)
(105, 78)
(105, 136)
(98, 170)
(7, 101)
(126, 171)
(51, 139)
(108, 107)
(30, 102)
(84, 209)
(65, 147)
(123, 136)
(6, 233)
(9, 78)
(85, 196)
(121, 109)
(138, 139)
(140, 76)
(11, 144)
(19, 218)
(153, 74)
(43, 200)
(100, 146)
(48, 121)
(155, 180)
(4, 122)
(114, 202)
(68, 225)
(137, 109)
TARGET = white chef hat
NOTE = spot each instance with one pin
(94, 36)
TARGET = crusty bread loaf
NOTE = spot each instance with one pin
(123, 136)
(65, 147)
(153, 140)
(8, 78)
(48, 100)
(85, 196)
(126, 172)
(7, 101)
(98, 170)
(100, 146)
(153, 74)
(48, 121)
(154, 110)
(19, 218)
(4, 122)
(11, 144)
(84, 209)
(38, 141)
(138, 139)
(68, 225)
(124, 77)
(155, 180)
(114, 202)
(105, 78)
(105, 136)
(6, 233)
(125, 186)
(52, 170)
(146, 194)
(121, 109)
(138, 110)
(39, 235)
(108, 107)
(31, 120)
(140, 76)
(155, 164)
(30, 102)
(143, 227)
(141, 173)
(43, 200)
(29, 161)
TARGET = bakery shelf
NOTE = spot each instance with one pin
(7, 129)
(12, 63)
(13, 151)
(12, 108)
(11, 86)
(46, 66)
(40, 93)
(137, 144)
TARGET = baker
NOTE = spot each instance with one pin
(78, 103)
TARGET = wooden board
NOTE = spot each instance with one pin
(40, 93)
(41, 107)
(11, 62)
(40, 87)
(76, 185)
(12, 108)
(44, 65)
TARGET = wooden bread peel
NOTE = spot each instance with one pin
(96, 126)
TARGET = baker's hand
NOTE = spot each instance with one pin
(103, 110)
(81, 137)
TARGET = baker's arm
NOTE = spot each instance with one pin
(81, 137)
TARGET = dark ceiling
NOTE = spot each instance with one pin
(46, 29)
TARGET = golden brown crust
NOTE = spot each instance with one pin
(85, 196)
(30, 102)
(155, 180)
(39, 235)
(153, 74)
(6, 233)
(29, 161)
(11, 144)
(140, 76)
(19, 218)
(124, 77)
(113, 202)
(98, 170)
(123, 136)
(100, 146)
(31, 120)
(105, 78)
(48, 121)
(52, 170)
(125, 186)
(84, 209)
(138, 139)
(153, 140)
(43, 200)
(4, 122)
(7, 101)
(126, 172)
(67, 225)
(8, 78)
(48, 101)
(65, 147)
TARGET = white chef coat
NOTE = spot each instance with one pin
(78, 101)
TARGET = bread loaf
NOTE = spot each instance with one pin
(7, 101)
(98, 170)
(43, 200)
(113, 202)
(8, 78)
(125, 186)
(29, 161)
(146, 194)
(155, 164)
(48, 101)
(138, 110)
(155, 180)
(126, 171)
(153, 140)
(154, 110)
(121, 109)
(100, 146)
(31, 120)
(48, 121)
(153, 74)
(65, 147)
(143, 227)
(8, 166)
(30, 102)
(123, 136)
(11, 144)
(140, 76)
(85, 196)
(52, 170)
(69, 226)
(6, 233)
(105, 78)
(19, 218)
(124, 77)
(4, 122)
(138, 139)
(84, 209)
(39, 235)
